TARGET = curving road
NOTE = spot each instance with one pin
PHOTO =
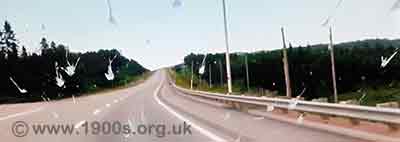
(153, 111)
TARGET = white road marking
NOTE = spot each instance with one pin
(55, 115)
(194, 125)
(258, 118)
(143, 118)
(21, 113)
(227, 116)
(107, 105)
(73, 99)
(131, 124)
(79, 124)
(238, 139)
(97, 111)
(115, 101)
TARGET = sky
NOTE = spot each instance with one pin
(156, 34)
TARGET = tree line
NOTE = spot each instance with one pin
(37, 72)
(358, 66)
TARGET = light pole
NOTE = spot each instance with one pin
(286, 66)
(247, 73)
(191, 78)
(209, 75)
(228, 64)
(335, 97)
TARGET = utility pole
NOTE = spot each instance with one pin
(191, 78)
(209, 75)
(247, 73)
(335, 97)
(228, 63)
(286, 66)
(221, 78)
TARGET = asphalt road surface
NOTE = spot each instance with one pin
(153, 111)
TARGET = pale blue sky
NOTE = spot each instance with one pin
(197, 26)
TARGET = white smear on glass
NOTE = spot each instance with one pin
(23, 91)
(176, 3)
(202, 68)
(395, 6)
(300, 119)
(331, 16)
(79, 124)
(5, 56)
(42, 27)
(293, 102)
(70, 69)
(59, 79)
(385, 61)
(111, 18)
(43, 98)
(97, 111)
(148, 42)
(362, 98)
(110, 75)
(270, 108)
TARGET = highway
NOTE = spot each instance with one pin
(154, 102)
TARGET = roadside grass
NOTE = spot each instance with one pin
(182, 79)
(373, 96)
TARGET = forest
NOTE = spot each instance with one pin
(54, 72)
(358, 68)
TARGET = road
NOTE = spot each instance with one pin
(150, 106)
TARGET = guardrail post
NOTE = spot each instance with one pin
(325, 118)
(228, 104)
(301, 112)
(236, 105)
(354, 121)
(240, 106)
(393, 127)
(244, 107)
(284, 110)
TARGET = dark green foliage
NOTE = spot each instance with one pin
(310, 67)
(36, 72)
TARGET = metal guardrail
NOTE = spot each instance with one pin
(388, 116)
